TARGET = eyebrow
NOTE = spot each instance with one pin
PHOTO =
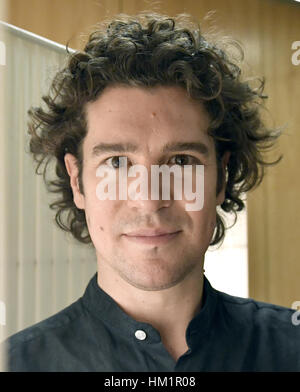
(113, 147)
(185, 146)
(169, 147)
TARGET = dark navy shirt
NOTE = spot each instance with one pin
(95, 334)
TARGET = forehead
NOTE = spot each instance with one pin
(154, 115)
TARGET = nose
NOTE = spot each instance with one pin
(147, 192)
(149, 205)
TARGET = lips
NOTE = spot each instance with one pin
(152, 236)
(151, 232)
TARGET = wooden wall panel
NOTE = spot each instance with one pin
(267, 29)
(282, 186)
(61, 20)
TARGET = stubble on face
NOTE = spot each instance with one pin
(151, 269)
(156, 267)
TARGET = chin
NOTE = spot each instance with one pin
(157, 276)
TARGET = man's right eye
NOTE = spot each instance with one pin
(116, 162)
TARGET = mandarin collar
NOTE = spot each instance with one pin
(105, 309)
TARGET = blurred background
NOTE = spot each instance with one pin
(42, 269)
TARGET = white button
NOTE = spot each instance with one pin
(140, 334)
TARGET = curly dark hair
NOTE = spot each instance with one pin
(147, 50)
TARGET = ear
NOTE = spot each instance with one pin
(224, 163)
(72, 169)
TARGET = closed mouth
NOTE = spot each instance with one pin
(152, 237)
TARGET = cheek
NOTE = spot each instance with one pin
(204, 223)
(204, 220)
(209, 208)
(100, 216)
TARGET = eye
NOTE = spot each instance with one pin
(116, 162)
(182, 160)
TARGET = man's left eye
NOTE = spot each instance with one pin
(182, 160)
(116, 161)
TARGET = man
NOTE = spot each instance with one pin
(150, 90)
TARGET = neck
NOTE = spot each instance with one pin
(159, 308)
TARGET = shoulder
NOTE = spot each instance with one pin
(265, 318)
(42, 340)
(268, 335)
(256, 309)
(50, 325)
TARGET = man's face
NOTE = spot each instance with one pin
(151, 244)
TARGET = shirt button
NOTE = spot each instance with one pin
(140, 334)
